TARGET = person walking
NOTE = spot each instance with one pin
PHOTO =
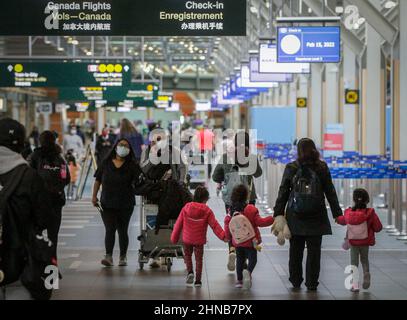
(129, 132)
(116, 176)
(48, 161)
(235, 168)
(305, 184)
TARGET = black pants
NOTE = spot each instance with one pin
(117, 220)
(242, 255)
(313, 265)
(54, 225)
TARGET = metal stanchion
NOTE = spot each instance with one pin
(398, 221)
(390, 205)
(403, 204)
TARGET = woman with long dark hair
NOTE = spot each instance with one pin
(52, 168)
(305, 185)
(116, 176)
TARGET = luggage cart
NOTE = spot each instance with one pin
(156, 246)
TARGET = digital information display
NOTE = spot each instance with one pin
(269, 64)
(144, 94)
(246, 83)
(256, 76)
(309, 44)
(64, 74)
(123, 17)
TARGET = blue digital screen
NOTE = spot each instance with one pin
(309, 44)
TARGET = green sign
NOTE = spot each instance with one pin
(141, 94)
(54, 74)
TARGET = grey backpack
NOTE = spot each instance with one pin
(233, 179)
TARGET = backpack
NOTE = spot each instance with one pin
(54, 174)
(241, 228)
(358, 231)
(306, 194)
(232, 179)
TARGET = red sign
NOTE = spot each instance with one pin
(333, 141)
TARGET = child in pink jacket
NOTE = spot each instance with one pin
(193, 222)
(246, 250)
(362, 223)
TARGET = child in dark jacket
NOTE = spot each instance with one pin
(246, 250)
(362, 223)
(193, 222)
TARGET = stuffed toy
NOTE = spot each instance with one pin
(280, 230)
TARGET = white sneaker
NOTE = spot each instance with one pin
(247, 280)
(190, 280)
(123, 261)
(107, 261)
(232, 261)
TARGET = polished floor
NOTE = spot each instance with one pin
(81, 249)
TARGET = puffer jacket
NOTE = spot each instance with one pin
(356, 217)
(251, 213)
(193, 222)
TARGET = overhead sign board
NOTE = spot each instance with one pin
(202, 105)
(246, 83)
(309, 44)
(145, 93)
(256, 76)
(268, 62)
(54, 74)
(123, 17)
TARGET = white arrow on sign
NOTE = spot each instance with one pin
(126, 68)
(10, 68)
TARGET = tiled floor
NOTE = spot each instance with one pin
(81, 249)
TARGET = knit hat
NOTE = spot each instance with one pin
(12, 134)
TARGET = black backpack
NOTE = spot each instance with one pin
(53, 173)
(307, 194)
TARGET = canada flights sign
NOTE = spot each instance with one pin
(123, 17)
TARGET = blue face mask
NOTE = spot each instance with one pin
(122, 151)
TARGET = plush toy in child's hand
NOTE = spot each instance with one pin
(280, 230)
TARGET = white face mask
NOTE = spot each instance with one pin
(122, 151)
(73, 132)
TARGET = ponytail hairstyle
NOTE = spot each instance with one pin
(361, 199)
(201, 194)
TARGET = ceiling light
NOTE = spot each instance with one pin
(89, 53)
(389, 4)
(60, 49)
(75, 42)
(339, 9)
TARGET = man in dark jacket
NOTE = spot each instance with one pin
(28, 203)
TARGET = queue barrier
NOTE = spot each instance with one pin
(384, 179)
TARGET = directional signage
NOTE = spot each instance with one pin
(123, 17)
(256, 76)
(309, 44)
(143, 94)
(352, 96)
(53, 74)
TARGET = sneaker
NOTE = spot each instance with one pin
(123, 261)
(355, 288)
(190, 279)
(232, 261)
(312, 289)
(366, 281)
(107, 261)
(247, 280)
(239, 285)
(198, 284)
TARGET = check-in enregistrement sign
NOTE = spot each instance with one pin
(123, 17)
(309, 44)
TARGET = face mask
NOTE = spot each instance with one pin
(73, 132)
(122, 152)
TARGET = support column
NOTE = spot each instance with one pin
(15, 114)
(315, 104)
(293, 94)
(350, 111)
(101, 119)
(401, 133)
(373, 119)
(284, 94)
(331, 114)
(302, 113)
(235, 109)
